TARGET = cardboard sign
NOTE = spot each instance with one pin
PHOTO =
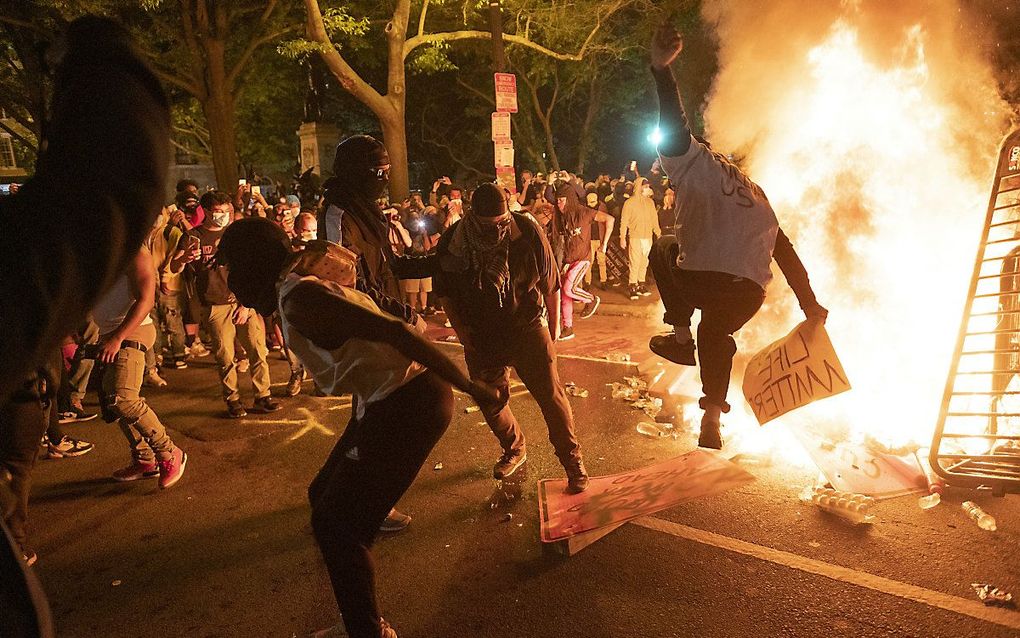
(507, 178)
(506, 92)
(799, 368)
(501, 128)
(855, 468)
(612, 500)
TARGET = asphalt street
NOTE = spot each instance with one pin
(229, 551)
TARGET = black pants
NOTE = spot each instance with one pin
(726, 302)
(533, 356)
(23, 421)
(364, 477)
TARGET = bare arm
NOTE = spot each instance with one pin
(610, 223)
(142, 279)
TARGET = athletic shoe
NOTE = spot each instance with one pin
(198, 349)
(135, 471)
(643, 290)
(67, 447)
(76, 414)
(633, 292)
(31, 557)
(710, 436)
(153, 380)
(395, 521)
(508, 464)
(274, 347)
(179, 364)
(589, 308)
(385, 631)
(447, 324)
(242, 365)
(265, 405)
(235, 410)
(428, 311)
(566, 334)
(667, 347)
(294, 385)
(577, 478)
(172, 469)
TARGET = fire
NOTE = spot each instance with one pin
(878, 170)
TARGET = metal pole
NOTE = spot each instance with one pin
(496, 26)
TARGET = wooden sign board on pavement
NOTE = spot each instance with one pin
(506, 92)
(577, 520)
(800, 368)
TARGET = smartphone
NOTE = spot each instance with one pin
(633, 166)
(242, 182)
(5, 189)
(256, 190)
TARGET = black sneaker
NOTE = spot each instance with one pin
(395, 521)
(265, 405)
(590, 307)
(508, 464)
(235, 410)
(294, 385)
(666, 346)
(577, 478)
(710, 436)
(75, 414)
(179, 364)
(643, 290)
(566, 334)
(633, 292)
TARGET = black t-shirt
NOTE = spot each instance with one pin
(210, 278)
(577, 232)
(533, 275)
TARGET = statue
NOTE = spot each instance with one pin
(313, 97)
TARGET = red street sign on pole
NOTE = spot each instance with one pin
(506, 92)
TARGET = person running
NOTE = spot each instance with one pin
(727, 237)
(401, 388)
(496, 271)
(576, 220)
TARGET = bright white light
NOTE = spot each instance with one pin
(655, 137)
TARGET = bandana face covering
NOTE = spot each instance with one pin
(488, 249)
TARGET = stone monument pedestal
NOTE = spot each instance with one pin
(318, 146)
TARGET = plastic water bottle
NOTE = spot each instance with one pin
(984, 520)
(855, 508)
(930, 501)
(650, 429)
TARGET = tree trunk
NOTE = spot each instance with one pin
(585, 144)
(220, 116)
(394, 129)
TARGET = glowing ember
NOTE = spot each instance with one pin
(877, 158)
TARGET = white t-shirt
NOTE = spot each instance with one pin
(113, 307)
(724, 221)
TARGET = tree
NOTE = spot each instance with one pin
(390, 107)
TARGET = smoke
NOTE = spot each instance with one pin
(873, 128)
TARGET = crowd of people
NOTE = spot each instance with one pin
(339, 283)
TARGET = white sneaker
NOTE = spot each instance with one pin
(198, 349)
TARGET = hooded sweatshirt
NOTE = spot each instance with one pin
(640, 218)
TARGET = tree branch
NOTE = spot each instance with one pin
(338, 66)
(488, 98)
(31, 143)
(421, 18)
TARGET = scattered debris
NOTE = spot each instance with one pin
(814, 544)
(507, 517)
(992, 595)
(618, 357)
(438, 466)
(984, 520)
(450, 338)
(651, 430)
(855, 508)
(116, 583)
(575, 390)
(471, 409)
(930, 501)
(634, 390)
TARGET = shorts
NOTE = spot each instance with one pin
(417, 285)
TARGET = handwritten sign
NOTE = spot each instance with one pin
(856, 468)
(506, 92)
(799, 368)
(612, 500)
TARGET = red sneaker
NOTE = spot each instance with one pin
(172, 469)
(137, 470)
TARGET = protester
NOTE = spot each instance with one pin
(496, 271)
(127, 332)
(163, 243)
(639, 225)
(599, 242)
(225, 317)
(576, 220)
(719, 262)
(400, 383)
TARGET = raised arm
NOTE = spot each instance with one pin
(676, 132)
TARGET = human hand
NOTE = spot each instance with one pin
(109, 348)
(666, 46)
(177, 217)
(816, 312)
(446, 180)
(241, 315)
(489, 401)
(164, 289)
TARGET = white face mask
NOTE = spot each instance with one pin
(221, 219)
(646, 191)
(308, 235)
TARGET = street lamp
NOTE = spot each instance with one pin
(655, 137)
